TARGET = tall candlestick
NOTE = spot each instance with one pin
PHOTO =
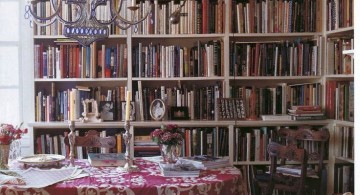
(127, 113)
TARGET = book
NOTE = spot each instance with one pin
(179, 170)
(276, 117)
(206, 162)
(106, 159)
(300, 118)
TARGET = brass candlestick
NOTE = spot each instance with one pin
(129, 165)
(71, 137)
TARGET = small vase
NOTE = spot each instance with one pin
(4, 155)
(170, 153)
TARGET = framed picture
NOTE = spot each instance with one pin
(157, 109)
(179, 113)
(132, 110)
(107, 110)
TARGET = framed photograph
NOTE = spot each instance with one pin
(107, 110)
(179, 113)
(132, 110)
(157, 109)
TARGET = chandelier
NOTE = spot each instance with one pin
(80, 17)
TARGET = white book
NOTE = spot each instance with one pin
(248, 146)
(141, 101)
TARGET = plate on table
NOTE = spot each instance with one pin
(42, 159)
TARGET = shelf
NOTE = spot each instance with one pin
(348, 77)
(135, 124)
(177, 36)
(340, 32)
(344, 123)
(344, 160)
(39, 80)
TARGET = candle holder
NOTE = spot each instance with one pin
(71, 137)
(129, 165)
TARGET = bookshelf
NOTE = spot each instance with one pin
(219, 70)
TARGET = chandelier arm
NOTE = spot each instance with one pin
(121, 25)
(133, 22)
(114, 13)
(34, 15)
(61, 19)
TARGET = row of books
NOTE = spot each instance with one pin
(251, 143)
(344, 140)
(337, 62)
(54, 104)
(339, 100)
(340, 14)
(344, 179)
(200, 101)
(276, 100)
(297, 58)
(156, 60)
(210, 17)
(54, 143)
(70, 60)
(275, 16)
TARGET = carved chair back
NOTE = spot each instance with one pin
(314, 141)
(92, 139)
(282, 181)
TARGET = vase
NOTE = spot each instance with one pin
(4, 155)
(170, 153)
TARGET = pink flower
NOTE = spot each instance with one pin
(168, 134)
(9, 133)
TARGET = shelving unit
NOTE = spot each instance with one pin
(226, 80)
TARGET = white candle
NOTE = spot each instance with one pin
(133, 2)
(72, 106)
(127, 113)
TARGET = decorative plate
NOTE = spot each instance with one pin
(42, 159)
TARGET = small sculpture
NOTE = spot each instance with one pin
(91, 113)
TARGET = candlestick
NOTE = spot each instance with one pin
(129, 165)
(128, 107)
(71, 137)
(133, 2)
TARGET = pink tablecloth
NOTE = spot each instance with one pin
(148, 181)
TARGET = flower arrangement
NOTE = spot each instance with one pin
(168, 135)
(9, 133)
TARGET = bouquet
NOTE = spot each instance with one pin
(168, 135)
(9, 133)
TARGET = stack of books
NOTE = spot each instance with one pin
(306, 113)
(179, 170)
(207, 162)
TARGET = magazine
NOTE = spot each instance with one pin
(179, 170)
(106, 159)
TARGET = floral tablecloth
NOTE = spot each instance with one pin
(147, 181)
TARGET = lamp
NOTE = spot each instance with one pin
(80, 17)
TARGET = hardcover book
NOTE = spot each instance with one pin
(106, 159)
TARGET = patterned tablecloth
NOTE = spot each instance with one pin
(147, 181)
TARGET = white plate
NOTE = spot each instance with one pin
(42, 159)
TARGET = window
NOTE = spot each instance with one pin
(10, 89)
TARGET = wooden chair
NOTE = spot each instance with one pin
(314, 142)
(283, 181)
(91, 140)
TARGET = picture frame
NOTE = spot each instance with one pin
(157, 109)
(179, 113)
(132, 111)
(107, 110)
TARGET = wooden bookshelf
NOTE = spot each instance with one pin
(318, 36)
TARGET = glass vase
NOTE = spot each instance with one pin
(170, 153)
(4, 155)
